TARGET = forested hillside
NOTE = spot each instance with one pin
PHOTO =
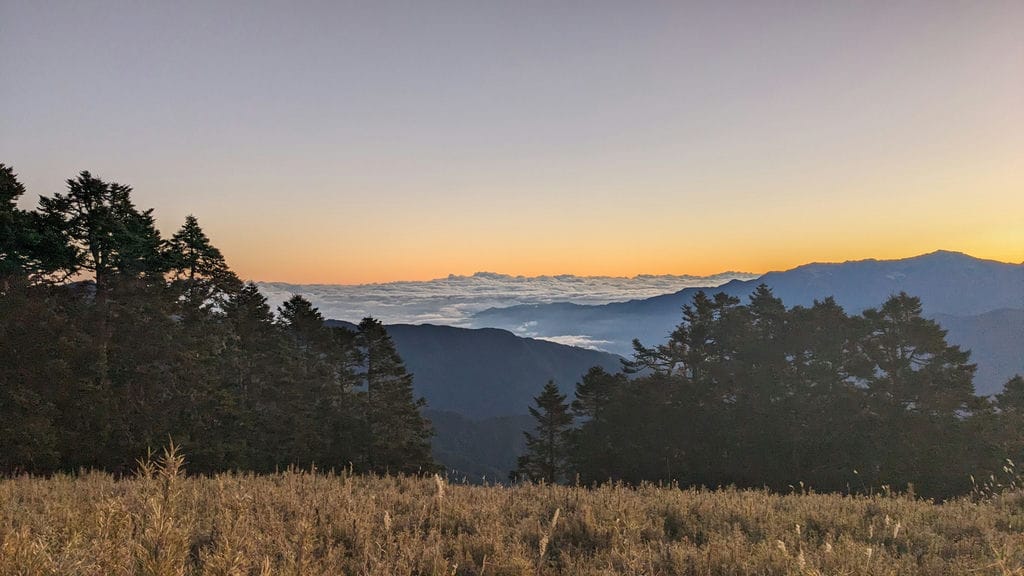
(757, 394)
(114, 339)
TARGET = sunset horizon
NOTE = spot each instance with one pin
(374, 143)
(710, 272)
(289, 260)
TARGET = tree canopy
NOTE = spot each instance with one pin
(758, 394)
(114, 339)
(547, 448)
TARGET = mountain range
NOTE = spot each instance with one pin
(479, 382)
(979, 301)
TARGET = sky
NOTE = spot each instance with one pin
(336, 142)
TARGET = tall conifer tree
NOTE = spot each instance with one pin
(547, 449)
(398, 435)
(198, 267)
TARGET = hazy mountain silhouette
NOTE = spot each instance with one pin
(996, 341)
(478, 384)
(478, 450)
(948, 283)
(482, 373)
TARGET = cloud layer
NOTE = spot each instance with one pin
(453, 300)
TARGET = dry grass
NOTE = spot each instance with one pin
(163, 523)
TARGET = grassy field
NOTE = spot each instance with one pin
(164, 523)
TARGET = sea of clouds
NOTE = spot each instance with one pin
(453, 300)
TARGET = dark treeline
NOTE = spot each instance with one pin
(758, 395)
(114, 340)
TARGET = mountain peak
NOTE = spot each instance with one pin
(950, 257)
(954, 257)
(947, 254)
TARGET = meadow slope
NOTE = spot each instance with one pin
(164, 523)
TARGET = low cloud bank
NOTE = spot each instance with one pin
(453, 300)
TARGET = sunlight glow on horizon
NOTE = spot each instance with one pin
(382, 142)
(298, 275)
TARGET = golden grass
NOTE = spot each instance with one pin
(163, 523)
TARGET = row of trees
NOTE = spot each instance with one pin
(113, 339)
(757, 395)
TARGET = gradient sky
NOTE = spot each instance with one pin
(354, 142)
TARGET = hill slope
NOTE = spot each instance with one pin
(478, 450)
(482, 373)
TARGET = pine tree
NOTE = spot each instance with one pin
(249, 315)
(1011, 399)
(12, 227)
(36, 355)
(398, 435)
(1010, 427)
(826, 406)
(917, 371)
(763, 391)
(254, 366)
(547, 450)
(918, 389)
(595, 391)
(31, 247)
(598, 400)
(304, 322)
(107, 235)
(209, 422)
(324, 379)
(198, 267)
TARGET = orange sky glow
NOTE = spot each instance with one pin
(355, 143)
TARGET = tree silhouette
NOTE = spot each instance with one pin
(399, 436)
(198, 267)
(155, 339)
(547, 449)
(13, 227)
(917, 388)
(1008, 429)
(106, 233)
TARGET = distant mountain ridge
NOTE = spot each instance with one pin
(950, 284)
(938, 278)
(489, 372)
(947, 283)
(479, 382)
